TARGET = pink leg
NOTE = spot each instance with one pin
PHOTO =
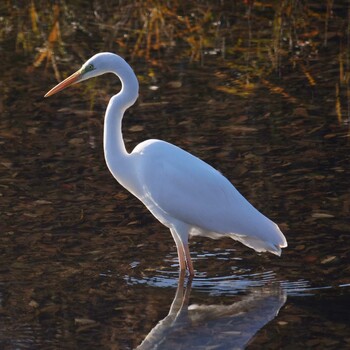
(180, 251)
(188, 259)
(183, 253)
(181, 256)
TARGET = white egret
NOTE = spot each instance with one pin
(184, 193)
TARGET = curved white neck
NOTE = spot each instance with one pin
(113, 143)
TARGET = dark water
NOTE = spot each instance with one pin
(84, 265)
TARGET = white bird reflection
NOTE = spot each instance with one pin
(214, 326)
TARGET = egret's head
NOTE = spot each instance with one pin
(101, 63)
(95, 66)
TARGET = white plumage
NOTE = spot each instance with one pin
(184, 193)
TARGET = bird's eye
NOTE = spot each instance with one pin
(89, 68)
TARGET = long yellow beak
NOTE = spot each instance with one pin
(65, 83)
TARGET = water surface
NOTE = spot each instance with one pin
(83, 264)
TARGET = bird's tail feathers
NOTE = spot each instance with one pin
(260, 245)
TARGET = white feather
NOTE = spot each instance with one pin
(184, 193)
(177, 185)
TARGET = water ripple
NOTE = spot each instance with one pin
(234, 280)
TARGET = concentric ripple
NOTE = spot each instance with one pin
(233, 281)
